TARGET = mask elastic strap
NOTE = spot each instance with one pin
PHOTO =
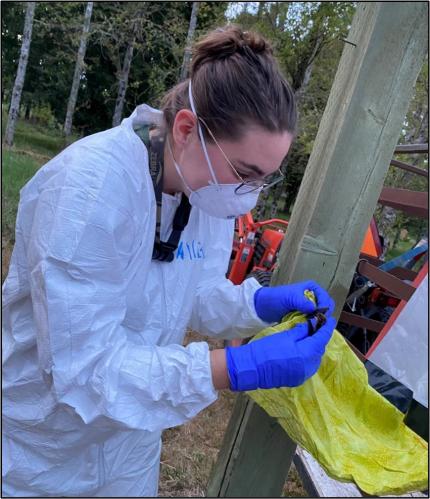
(177, 166)
(190, 94)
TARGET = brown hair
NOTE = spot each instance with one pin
(236, 82)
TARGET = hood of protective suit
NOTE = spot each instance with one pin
(93, 363)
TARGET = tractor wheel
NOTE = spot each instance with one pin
(262, 276)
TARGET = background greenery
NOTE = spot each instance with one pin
(308, 38)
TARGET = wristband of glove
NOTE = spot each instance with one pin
(241, 368)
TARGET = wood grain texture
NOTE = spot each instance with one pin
(255, 455)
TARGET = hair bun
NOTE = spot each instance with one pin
(256, 42)
(225, 42)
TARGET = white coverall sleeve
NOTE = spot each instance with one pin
(222, 309)
(84, 236)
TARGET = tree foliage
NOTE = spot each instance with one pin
(160, 29)
(307, 37)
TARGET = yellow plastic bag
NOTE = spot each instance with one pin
(348, 427)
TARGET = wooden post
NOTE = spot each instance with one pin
(248, 447)
(356, 140)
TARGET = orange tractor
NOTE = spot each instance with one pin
(255, 251)
(256, 247)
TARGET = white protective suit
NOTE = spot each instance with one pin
(93, 363)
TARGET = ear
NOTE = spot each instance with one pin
(183, 126)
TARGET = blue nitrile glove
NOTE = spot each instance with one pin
(272, 303)
(283, 359)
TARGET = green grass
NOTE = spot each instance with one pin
(33, 146)
(17, 170)
(400, 248)
(31, 137)
(37, 139)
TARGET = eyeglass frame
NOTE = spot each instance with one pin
(263, 186)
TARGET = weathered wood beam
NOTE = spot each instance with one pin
(409, 168)
(400, 272)
(404, 274)
(252, 431)
(317, 483)
(412, 148)
(360, 321)
(411, 202)
(356, 140)
(387, 281)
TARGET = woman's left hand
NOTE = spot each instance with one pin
(272, 303)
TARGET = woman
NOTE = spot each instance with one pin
(116, 254)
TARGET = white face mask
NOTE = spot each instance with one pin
(215, 199)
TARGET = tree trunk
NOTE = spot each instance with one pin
(283, 16)
(20, 75)
(123, 82)
(396, 237)
(387, 220)
(288, 199)
(78, 70)
(260, 9)
(276, 193)
(190, 37)
(306, 75)
(261, 205)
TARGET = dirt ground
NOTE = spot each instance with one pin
(189, 451)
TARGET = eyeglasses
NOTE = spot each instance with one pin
(248, 186)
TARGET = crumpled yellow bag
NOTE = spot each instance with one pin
(346, 425)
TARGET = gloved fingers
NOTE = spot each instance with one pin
(298, 333)
(302, 303)
(320, 339)
(323, 299)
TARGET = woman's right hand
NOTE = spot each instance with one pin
(283, 359)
